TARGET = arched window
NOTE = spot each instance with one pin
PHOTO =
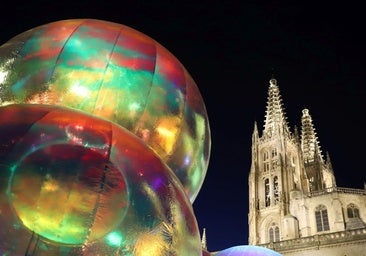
(266, 166)
(266, 161)
(274, 152)
(352, 211)
(277, 233)
(267, 192)
(274, 233)
(274, 159)
(321, 217)
(271, 235)
(275, 190)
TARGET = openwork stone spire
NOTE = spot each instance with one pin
(275, 114)
(204, 240)
(309, 141)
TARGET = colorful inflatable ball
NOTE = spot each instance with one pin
(247, 250)
(114, 72)
(76, 184)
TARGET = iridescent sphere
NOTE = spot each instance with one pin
(117, 73)
(205, 253)
(75, 184)
(247, 250)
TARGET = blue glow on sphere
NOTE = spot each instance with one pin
(247, 250)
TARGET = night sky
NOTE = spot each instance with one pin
(315, 51)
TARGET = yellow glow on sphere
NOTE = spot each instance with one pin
(75, 184)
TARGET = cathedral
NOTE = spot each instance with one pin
(295, 205)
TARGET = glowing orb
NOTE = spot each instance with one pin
(75, 184)
(247, 250)
(117, 73)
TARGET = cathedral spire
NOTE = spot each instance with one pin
(309, 141)
(204, 240)
(275, 118)
(255, 133)
(328, 162)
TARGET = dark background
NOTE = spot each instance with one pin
(316, 51)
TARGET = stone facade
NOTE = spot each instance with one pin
(295, 206)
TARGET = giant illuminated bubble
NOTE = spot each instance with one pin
(74, 184)
(247, 250)
(117, 73)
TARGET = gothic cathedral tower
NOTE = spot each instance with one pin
(284, 165)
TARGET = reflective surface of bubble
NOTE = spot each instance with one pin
(114, 72)
(75, 184)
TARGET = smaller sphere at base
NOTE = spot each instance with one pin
(247, 250)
